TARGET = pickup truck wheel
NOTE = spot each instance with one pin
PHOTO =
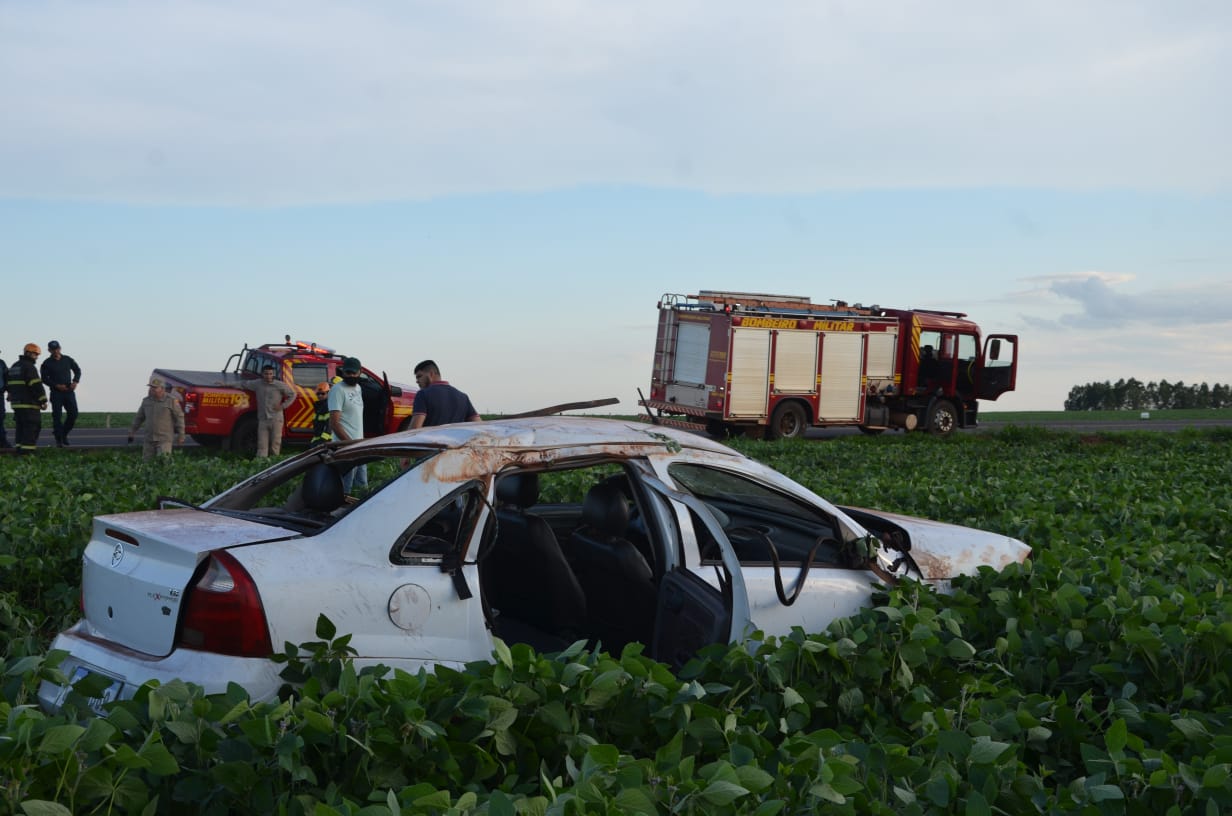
(942, 418)
(244, 436)
(788, 422)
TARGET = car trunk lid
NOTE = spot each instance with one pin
(137, 568)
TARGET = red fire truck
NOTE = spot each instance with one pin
(217, 411)
(736, 362)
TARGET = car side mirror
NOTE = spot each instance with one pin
(995, 350)
(395, 390)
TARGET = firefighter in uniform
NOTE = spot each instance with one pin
(163, 417)
(320, 417)
(27, 397)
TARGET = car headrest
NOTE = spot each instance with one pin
(606, 510)
(518, 489)
(322, 488)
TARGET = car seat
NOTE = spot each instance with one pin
(618, 581)
(525, 574)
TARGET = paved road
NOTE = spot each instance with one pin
(1117, 425)
(89, 438)
(1091, 426)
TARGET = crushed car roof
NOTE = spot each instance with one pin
(551, 432)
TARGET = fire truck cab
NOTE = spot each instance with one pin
(775, 365)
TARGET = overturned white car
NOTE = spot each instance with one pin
(541, 531)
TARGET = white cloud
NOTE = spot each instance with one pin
(1103, 300)
(275, 103)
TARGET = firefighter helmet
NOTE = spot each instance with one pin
(33, 348)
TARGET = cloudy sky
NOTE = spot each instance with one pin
(510, 188)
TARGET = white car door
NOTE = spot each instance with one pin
(696, 607)
(755, 523)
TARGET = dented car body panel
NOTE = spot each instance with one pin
(542, 531)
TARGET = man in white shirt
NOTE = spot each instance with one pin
(346, 416)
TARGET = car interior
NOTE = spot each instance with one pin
(554, 572)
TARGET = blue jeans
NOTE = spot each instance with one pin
(357, 475)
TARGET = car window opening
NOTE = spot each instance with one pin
(309, 494)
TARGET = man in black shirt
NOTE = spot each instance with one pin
(61, 374)
(438, 402)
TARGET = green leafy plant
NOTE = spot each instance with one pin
(1096, 678)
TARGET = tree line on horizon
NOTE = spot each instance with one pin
(1133, 394)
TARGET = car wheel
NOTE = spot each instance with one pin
(942, 418)
(787, 422)
(244, 436)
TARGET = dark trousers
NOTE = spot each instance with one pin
(65, 401)
(4, 435)
(28, 423)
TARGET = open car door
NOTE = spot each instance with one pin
(693, 612)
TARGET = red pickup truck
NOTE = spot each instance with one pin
(219, 412)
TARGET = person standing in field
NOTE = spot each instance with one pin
(61, 374)
(163, 417)
(346, 416)
(273, 398)
(28, 398)
(438, 402)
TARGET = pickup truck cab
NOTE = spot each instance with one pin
(220, 412)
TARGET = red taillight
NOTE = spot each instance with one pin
(223, 612)
(191, 399)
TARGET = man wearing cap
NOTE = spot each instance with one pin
(346, 416)
(164, 420)
(273, 397)
(61, 375)
(28, 398)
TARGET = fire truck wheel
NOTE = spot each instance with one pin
(942, 419)
(788, 422)
(244, 436)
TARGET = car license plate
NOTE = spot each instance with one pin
(96, 703)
